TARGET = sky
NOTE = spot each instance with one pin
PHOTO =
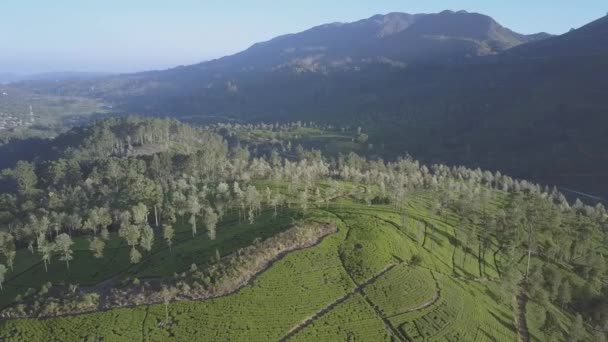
(134, 35)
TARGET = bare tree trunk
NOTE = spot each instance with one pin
(156, 215)
(528, 266)
(529, 251)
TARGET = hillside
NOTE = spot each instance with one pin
(228, 241)
(591, 39)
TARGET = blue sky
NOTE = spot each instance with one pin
(131, 35)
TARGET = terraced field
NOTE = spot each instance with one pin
(356, 285)
(404, 289)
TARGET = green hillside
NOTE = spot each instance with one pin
(153, 230)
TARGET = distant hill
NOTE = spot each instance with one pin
(59, 76)
(591, 39)
(6, 77)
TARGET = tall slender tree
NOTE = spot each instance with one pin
(64, 246)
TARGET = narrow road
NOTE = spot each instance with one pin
(308, 321)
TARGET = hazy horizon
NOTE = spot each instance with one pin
(120, 37)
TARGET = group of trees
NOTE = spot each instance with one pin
(516, 219)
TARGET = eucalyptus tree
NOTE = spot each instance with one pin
(3, 271)
(168, 235)
(253, 201)
(97, 246)
(147, 237)
(73, 222)
(46, 251)
(168, 294)
(303, 200)
(135, 256)
(211, 219)
(276, 201)
(194, 208)
(64, 246)
(7, 247)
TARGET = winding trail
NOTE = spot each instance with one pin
(358, 289)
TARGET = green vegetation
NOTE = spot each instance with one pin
(151, 229)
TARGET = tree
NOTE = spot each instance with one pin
(132, 233)
(3, 271)
(276, 202)
(253, 202)
(168, 294)
(211, 223)
(140, 214)
(25, 176)
(303, 200)
(91, 223)
(104, 219)
(64, 246)
(96, 246)
(46, 250)
(147, 237)
(194, 208)
(168, 234)
(135, 255)
(7, 247)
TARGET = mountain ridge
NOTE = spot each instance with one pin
(400, 36)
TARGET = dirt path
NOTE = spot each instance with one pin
(308, 321)
(520, 301)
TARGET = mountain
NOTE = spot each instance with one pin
(400, 37)
(451, 87)
(395, 40)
